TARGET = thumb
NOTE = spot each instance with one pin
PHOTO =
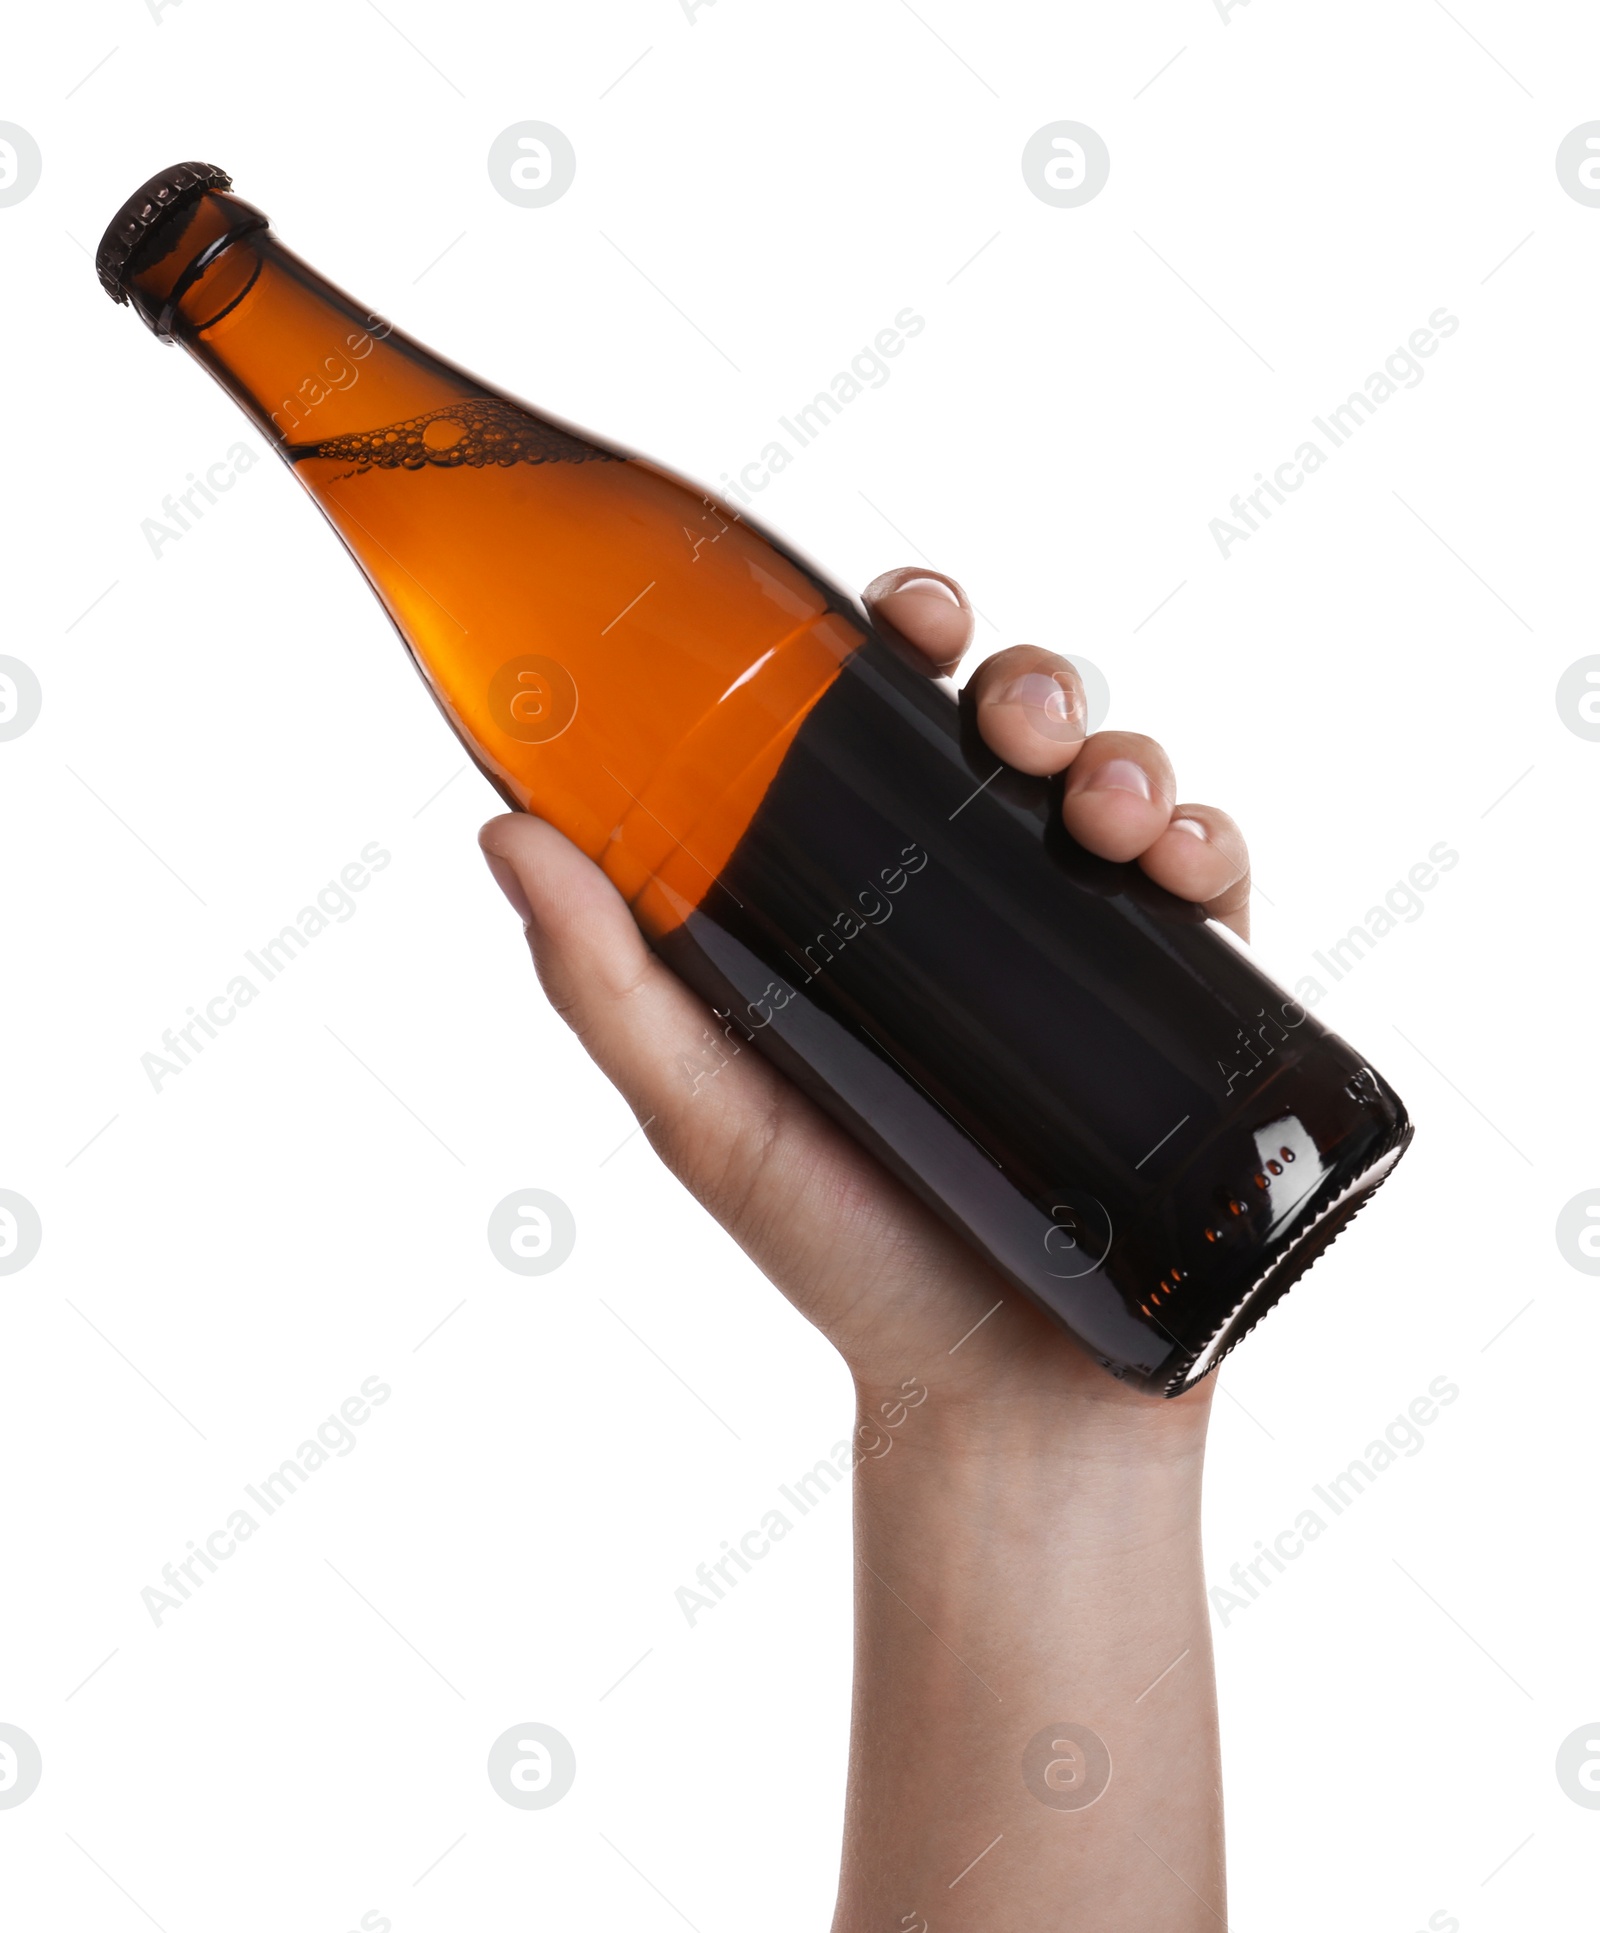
(710, 1107)
(846, 1242)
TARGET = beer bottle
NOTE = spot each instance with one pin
(1081, 1073)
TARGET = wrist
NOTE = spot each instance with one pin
(1041, 1434)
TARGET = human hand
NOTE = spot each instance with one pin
(888, 1282)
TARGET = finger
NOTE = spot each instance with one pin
(1030, 708)
(1202, 856)
(1119, 794)
(927, 609)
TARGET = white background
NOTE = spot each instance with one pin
(227, 1261)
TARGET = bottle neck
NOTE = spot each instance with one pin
(303, 359)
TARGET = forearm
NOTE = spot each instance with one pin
(1015, 1585)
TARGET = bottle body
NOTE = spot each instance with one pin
(1077, 1070)
(1083, 1074)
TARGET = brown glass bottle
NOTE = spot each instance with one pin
(1080, 1072)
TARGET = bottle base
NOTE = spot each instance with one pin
(1318, 1231)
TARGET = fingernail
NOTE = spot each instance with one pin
(510, 885)
(930, 615)
(1191, 825)
(1050, 707)
(1117, 775)
(927, 587)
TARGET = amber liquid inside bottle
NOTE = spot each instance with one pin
(1091, 1081)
